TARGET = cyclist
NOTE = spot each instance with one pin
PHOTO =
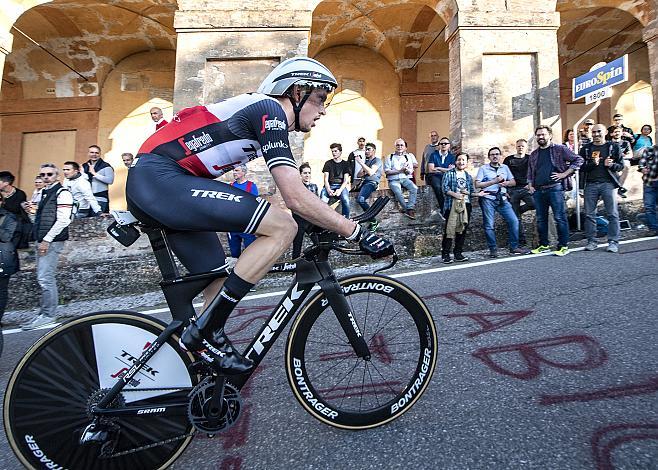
(172, 185)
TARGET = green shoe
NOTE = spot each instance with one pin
(561, 251)
(541, 249)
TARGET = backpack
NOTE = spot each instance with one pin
(76, 205)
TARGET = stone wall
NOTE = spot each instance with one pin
(93, 265)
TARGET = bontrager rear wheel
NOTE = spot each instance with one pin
(343, 390)
(48, 396)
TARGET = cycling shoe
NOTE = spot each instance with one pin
(216, 350)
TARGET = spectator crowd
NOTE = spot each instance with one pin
(511, 185)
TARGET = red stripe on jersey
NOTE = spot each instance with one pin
(186, 121)
(194, 165)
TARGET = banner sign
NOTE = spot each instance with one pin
(608, 75)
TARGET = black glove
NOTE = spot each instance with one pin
(371, 243)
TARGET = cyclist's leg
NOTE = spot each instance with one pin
(275, 234)
(188, 245)
(157, 186)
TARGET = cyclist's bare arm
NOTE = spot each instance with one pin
(297, 199)
(277, 229)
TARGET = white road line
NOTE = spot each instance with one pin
(397, 276)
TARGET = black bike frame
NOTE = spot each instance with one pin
(179, 291)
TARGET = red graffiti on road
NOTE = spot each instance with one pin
(607, 439)
(455, 296)
(644, 388)
(231, 463)
(482, 319)
(531, 354)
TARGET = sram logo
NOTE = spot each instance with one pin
(151, 410)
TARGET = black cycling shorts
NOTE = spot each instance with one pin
(162, 193)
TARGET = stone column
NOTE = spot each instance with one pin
(6, 40)
(504, 80)
(650, 36)
(229, 50)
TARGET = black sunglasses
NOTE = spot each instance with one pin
(444, 143)
(46, 174)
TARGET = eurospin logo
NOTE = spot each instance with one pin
(601, 78)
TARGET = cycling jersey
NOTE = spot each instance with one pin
(210, 140)
(172, 183)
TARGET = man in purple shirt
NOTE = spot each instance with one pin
(550, 168)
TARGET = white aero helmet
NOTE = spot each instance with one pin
(305, 72)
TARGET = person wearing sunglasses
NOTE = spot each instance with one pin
(51, 231)
(440, 162)
(173, 185)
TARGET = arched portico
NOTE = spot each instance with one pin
(596, 34)
(409, 37)
(55, 92)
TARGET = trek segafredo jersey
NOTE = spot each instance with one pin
(210, 140)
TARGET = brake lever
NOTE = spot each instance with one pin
(389, 265)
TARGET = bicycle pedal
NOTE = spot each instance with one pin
(200, 367)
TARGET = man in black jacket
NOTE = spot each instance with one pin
(51, 231)
(603, 160)
(8, 256)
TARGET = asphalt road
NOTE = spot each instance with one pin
(544, 363)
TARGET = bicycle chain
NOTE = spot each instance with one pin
(149, 446)
(153, 444)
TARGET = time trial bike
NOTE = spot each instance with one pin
(113, 390)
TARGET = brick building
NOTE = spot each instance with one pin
(484, 72)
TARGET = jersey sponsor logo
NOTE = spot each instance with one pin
(195, 143)
(280, 144)
(272, 124)
(216, 195)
